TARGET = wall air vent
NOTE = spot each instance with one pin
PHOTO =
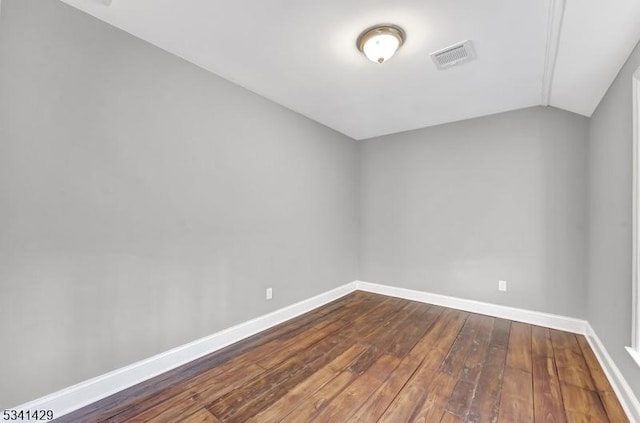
(453, 55)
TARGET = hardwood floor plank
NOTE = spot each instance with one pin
(462, 346)
(541, 345)
(299, 343)
(365, 324)
(473, 364)
(385, 331)
(582, 405)
(447, 417)
(386, 334)
(313, 405)
(178, 398)
(576, 376)
(308, 387)
(366, 358)
(466, 344)
(403, 407)
(460, 399)
(613, 408)
(213, 380)
(414, 392)
(201, 416)
(485, 404)
(501, 333)
(439, 391)
(600, 380)
(516, 402)
(519, 353)
(345, 404)
(203, 395)
(199, 391)
(547, 399)
(612, 405)
(572, 368)
(408, 334)
(380, 400)
(610, 401)
(423, 387)
(259, 393)
(442, 333)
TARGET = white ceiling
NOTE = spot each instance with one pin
(302, 53)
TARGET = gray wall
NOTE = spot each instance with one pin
(610, 196)
(145, 203)
(454, 208)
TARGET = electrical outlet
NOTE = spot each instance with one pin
(269, 293)
(502, 285)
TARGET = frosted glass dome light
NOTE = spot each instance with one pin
(380, 43)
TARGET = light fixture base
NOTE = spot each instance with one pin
(380, 42)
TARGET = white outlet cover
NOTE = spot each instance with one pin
(269, 293)
(502, 285)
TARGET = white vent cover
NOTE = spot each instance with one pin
(454, 55)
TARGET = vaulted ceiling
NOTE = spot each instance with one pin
(302, 53)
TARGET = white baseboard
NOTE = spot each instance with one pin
(90, 391)
(622, 389)
(554, 321)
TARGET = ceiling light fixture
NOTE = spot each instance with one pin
(379, 43)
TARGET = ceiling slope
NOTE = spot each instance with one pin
(597, 38)
(302, 53)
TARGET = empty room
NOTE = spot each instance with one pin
(319, 211)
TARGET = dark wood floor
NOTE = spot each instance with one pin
(371, 358)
